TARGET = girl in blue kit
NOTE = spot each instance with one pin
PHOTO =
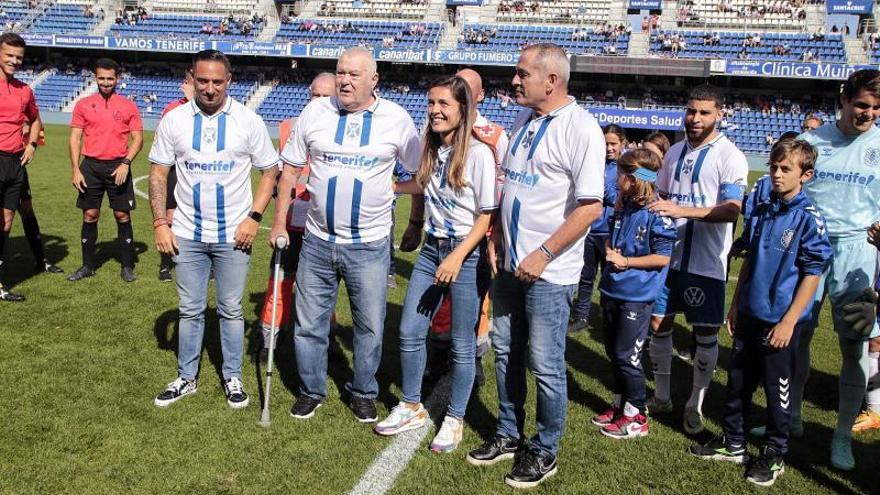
(637, 253)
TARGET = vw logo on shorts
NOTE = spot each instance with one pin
(694, 296)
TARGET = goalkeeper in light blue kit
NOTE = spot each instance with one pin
(846, 190)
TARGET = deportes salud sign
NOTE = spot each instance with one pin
(644, 4)
(667, 120)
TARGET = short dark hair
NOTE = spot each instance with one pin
(788, 136)
(707, 92)
(862, 80)
(798, 150)
(615, 129)
(211, 56)
(107, 64)
(12, 39)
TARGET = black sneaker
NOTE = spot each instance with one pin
(531, 469)
(718, 449)
(81, 273)
(304, 407)
(766, 469)
(165, 275)
(47, 267)
(496, 450)
(364, 409)
(235, 394)
(176, 390)
(6, 295)
(127, 274)
(577, 324)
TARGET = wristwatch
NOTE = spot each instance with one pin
(126, 161)
(256, 216)
(34, 144)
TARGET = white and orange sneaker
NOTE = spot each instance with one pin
(868, 420)
(402, 418)
(627, 427)
(449, 436)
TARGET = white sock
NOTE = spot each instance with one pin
(873, 397)
(660, 351)
(705, 360)
(630, 410)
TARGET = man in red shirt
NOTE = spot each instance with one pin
(17, 107)
(113, 131)
(186, 87)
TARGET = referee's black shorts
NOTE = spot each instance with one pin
(170, 200)
(12, 180)
(98, 180)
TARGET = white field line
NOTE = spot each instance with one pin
(383, 472)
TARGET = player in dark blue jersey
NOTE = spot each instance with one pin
(788, 249)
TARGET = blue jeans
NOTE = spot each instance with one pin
(364, 268)
(194, 261)
(422, 301)
(530, 321)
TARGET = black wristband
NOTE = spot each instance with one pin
(34, 144)
(126, 161)
(417, 223)
(256, 216)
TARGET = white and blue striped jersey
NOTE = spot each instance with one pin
(701, 178)
(352, 160)
(450, 213)
(846, 184)
(553, 162)
(213, 156)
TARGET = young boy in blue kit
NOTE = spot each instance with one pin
(788, 249)
(637, 254)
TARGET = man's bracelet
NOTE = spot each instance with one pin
(550, 256)
(160, 222)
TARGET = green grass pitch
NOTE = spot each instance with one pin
(80, 365)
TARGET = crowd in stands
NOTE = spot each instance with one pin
(131, 16)
(232, 24)
(757, 10)
(473, 36)
(519, 6)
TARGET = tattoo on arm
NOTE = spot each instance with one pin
(158, 185)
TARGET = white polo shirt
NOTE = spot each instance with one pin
(352, 160)
(699, 178)
(213, 155)
(451, 213)
(553, 162)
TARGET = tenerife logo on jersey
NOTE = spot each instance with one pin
(350, 161)
(209, 135)
(694, 297)
(786, 238)
(688, 199)
(688, 166)
(527, 140)
(640, 233)
(215, 167)
(442, 203)
(872, 157)
(353, 130)
(522, 178)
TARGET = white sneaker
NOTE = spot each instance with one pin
(402, 418)
(449, 436)
(175, 391)
(235, 394)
